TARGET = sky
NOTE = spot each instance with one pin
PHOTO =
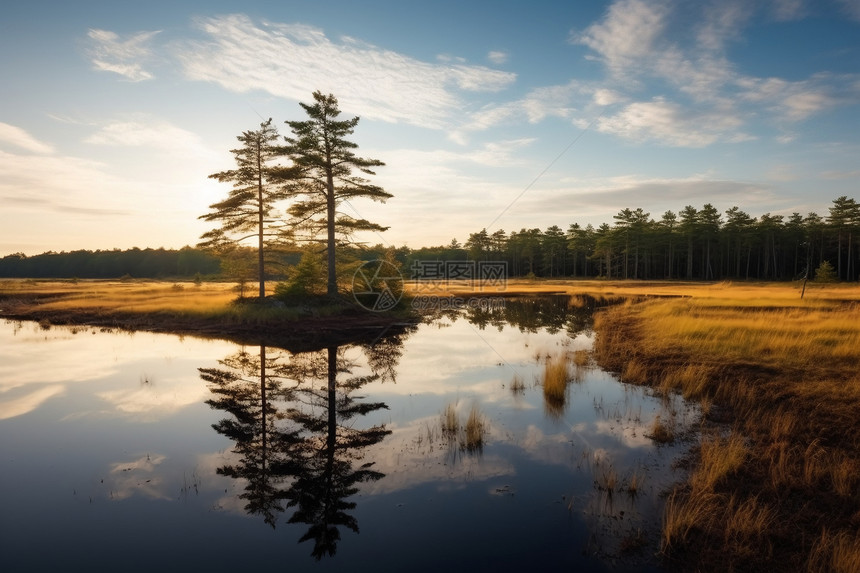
(487, 114)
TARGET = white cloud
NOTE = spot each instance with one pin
(497, 57)
(602, 195)
(797, 101)
(149, 132)
(801, 105)
(23, 140)
(537, 105)
(627, 34)
(292, 61)
(722, 21)
(605, 96)
(20, 405)
(649, 46)
(45, 178)
(124, 57)
(669, 123)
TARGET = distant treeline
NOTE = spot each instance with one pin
(694, 244)
(138, 263)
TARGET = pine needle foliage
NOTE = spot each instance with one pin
(327, 178)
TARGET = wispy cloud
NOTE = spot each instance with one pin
(540, 103)
(497, 57)
(785, 10)
(292, 60)
(125, 57)
(629, 33)
(699, 95)
(150, 132)
(65, 184)
(611, 194)
(20, 405)
(670, 123)
(21, 139)
(795, 101)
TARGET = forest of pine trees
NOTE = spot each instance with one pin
(693, 244)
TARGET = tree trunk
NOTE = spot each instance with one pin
(689, 258)
(260, 265)
(264, 404)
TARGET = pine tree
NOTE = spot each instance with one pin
(257, 186)
(325, 160)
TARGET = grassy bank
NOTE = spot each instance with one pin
(205, 309)
(780, 490)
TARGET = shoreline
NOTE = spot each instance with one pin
(293, 329)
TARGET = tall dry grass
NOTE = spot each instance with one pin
(739, 294)
(125, 296)
(556, 375)
(468, 436)
(783, 373)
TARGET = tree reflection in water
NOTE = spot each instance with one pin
(293, 423)
(293, 416)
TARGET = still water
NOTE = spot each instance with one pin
(432, 447)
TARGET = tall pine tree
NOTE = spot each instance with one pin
(325, 160)
(257, 186)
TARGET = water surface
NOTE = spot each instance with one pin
(134, 450)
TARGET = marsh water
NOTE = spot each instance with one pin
(421, 448)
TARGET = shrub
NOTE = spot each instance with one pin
(825, 273)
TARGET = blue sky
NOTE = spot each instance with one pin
(500, 114)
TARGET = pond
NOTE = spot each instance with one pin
(432, 447)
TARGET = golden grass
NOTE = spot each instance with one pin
(835, 553)
(683, 514)
(718, 458)
(581, 358)
(469, 436)
(556, 374)
(785, 370)
(450, 422)
(662, 432)
(126, 296)
(746, 294)
(474, 431)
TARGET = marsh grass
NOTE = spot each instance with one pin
(718, 459)
(470, 436)
(837, 552)
(556, 374)
(607, 480)
(783, 372)
(661, 431)
(634, 483)
(475, 429)
(126, 295)
(517, 386)
(169, 306)
(450, 422)
(749, 295)
(582, 358)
